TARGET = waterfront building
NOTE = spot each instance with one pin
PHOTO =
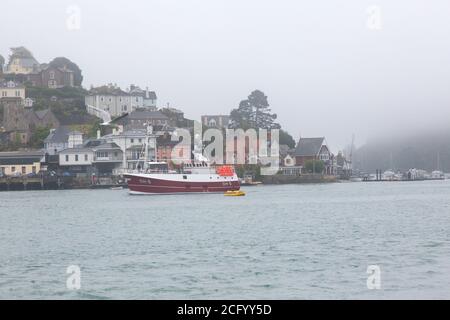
(315, 149)
(62, 138)
(102, 159)
(18, 163)
(137, 146)
(168, 150)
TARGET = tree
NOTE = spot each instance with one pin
(38, 136)
(62, 62)
(314, 166)
(254, 112)
(286, 138)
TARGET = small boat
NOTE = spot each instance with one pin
(235, 193)
(116, 188)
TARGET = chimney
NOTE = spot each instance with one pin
(98, 134)
(147, 94)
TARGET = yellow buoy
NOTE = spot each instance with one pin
(235, 193)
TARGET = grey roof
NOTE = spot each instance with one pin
(42, 113)
(143, 115)
(308, 146)
(75, 132)
(4, 84)
(28, 62)
(20, 157)
(108, 90)
(106, 146)
(151, 95)
(59, 135)
(76, 150)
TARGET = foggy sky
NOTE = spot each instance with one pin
(324, 71)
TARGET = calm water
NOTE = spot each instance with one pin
(290, 242)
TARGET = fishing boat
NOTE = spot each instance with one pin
(194, 177)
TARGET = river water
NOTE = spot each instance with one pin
(278, 242)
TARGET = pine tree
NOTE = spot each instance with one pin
(254, 113)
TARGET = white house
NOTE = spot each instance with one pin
(62, 138)
(76, 157)
(137, 146)
(115, 101)
(10, 89)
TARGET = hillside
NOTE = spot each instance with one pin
(428, 151)
(66, 103)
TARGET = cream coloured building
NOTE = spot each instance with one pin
(11, 89)
(17, 163)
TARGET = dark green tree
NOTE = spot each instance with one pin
(254, 112)
(62, 62)
(286, 138)
(38, 136)
(314, 166)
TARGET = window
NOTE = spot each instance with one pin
(76, 157)
(67, 158)
(85, 157)
(51, 74)
(17, 93)
(4, 94)
(132, 140)
(140, 140)
(184, 177)
(33, 169)
(13, 169)
(24, 170)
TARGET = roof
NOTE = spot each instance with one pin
(108, 90)
(216, 115)
(309, 146)
(136, 133)
(106, 146)
(59, 135)
(151, 95)
(76, 150)
(4, 84)
(144, 115)
(20, 157)
(42, 113)
(27, 62)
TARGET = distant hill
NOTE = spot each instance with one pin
(420, 150)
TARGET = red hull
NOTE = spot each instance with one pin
(138, 185)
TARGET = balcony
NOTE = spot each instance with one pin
(108, 159)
